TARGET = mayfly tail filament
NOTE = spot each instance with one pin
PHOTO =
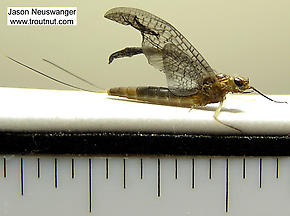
(100, 90)
(70, 73)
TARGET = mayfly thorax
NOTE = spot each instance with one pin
(191, 80)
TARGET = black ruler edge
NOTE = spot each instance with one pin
(117, 143)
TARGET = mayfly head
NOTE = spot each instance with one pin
(239, 84)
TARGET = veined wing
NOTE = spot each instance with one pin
(182, 73)
(167, 49)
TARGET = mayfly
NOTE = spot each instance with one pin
(191, 81)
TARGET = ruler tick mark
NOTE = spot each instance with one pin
(244, 168)
(4, 168)
(277, 168)
(55, 172)
(176, 169)
(90, 185)
(38, 168)
(210, 172)
(227, 186)
(72, 168)
(124, 173)
(260, 176)
(141, 168)
(192, 173)
(158, 177)
(21, 176)
(107, 168)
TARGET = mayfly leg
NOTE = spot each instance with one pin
(217, 112)
(127, 52)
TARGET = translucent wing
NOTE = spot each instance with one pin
(167, 49)
(182, 73)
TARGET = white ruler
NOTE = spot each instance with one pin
(31, 185)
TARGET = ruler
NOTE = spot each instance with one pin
(50, 166)
(47, 185)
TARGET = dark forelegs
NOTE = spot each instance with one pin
(127, 52)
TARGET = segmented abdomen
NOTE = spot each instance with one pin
(154, 95)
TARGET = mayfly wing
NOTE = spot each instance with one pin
(167, 50)
(182, 73)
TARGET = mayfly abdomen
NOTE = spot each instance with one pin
(154, 95)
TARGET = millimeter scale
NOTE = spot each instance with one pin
(80, 153)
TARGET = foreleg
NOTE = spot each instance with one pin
(127, 52)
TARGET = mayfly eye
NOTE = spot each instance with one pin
(238, 82)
